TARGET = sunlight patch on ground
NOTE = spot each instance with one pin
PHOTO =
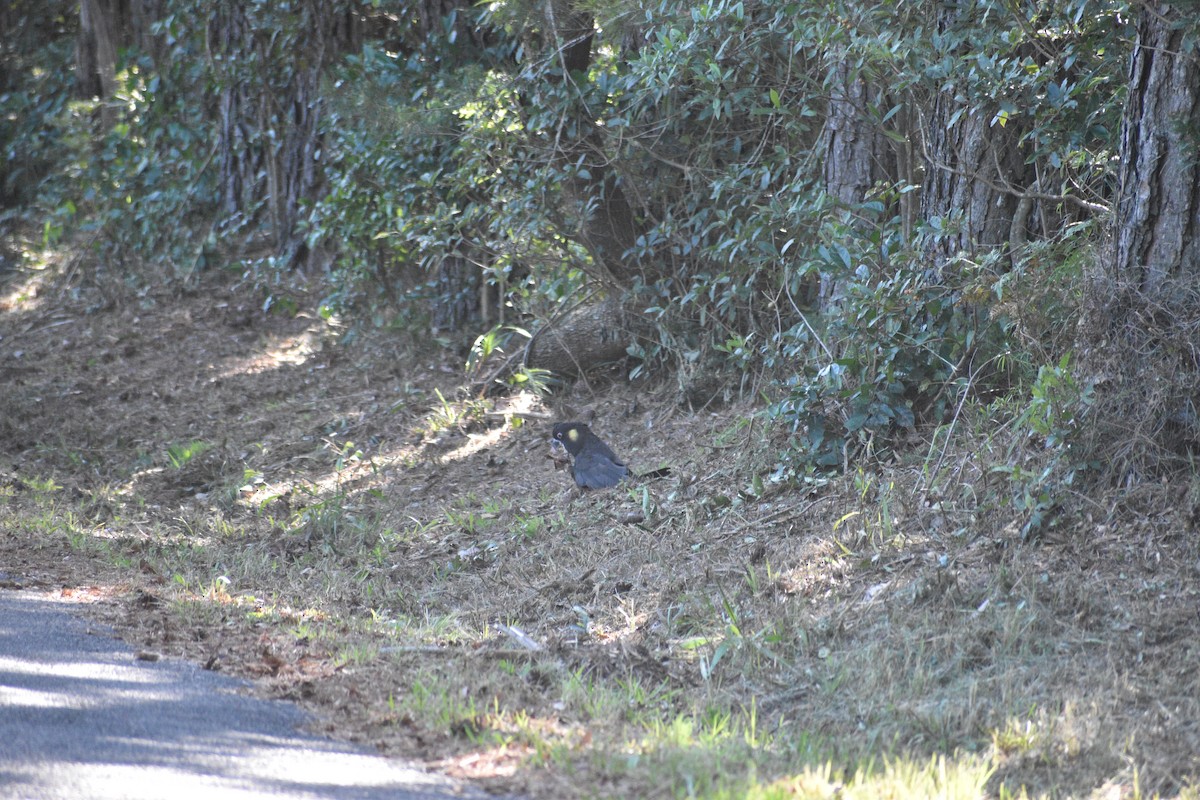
(287, 350)
(476, 443)
(634, 620)
(519, 405)
(502, 761)
(524, 740)
(379, 470)
(361, 474)
(24, 296)
(14, 695)
(942, 776)
(85, 594)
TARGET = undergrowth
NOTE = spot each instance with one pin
(418, 568)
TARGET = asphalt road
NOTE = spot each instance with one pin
(81, 718)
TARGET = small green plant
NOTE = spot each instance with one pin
(468, 521)
(42, 485)
(1016, 737)
(450, 415)
(431, 700)
(356, 655)
(1057, 404)
(530, 527)
(178, 455)
(491, 343)
(533, 379)
(322, 521)
(346, 454)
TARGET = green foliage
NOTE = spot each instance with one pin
(1053, 417)
(712, 123)
(1056, 404)
(717, 118)
(895, 354)
(465, 162)
(141, 178)
(506, 341)
(178, 455)
(35, 100)
(1057, 71)
(434, 182)
(150, 189)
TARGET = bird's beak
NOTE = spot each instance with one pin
(558, 452)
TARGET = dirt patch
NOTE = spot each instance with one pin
(325, 513)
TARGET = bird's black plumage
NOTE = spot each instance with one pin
(595, 465)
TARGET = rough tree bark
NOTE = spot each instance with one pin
(1140, 337)
(599, 211)
(1158, 211)
(974, 172)
(857, 154)
(581, 339)
(270, 107)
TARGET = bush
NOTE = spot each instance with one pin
(900, 351)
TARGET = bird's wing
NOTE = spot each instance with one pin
(594, 470)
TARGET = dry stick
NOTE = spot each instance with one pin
(534, 415)
(435, 650)
(804, 319)
(768, 518)
(953, 422)
(520, 637)
(1006, 188)
(30, 331)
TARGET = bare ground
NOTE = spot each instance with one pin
(274, 497)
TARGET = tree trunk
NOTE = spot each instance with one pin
(974, 172)
(1158, 211)
(96, 54)
(270, 63)
(581, 339)
(598, 212)
(857, 155)
(1140, 339)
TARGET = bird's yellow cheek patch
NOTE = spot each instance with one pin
(573, 435)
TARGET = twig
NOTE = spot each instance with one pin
(520, 637)
(534, 415)
(31, 330)
(1006, 188)
(773, 516)
(804, 319)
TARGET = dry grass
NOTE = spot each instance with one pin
(1142, 354)
(274, 503)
